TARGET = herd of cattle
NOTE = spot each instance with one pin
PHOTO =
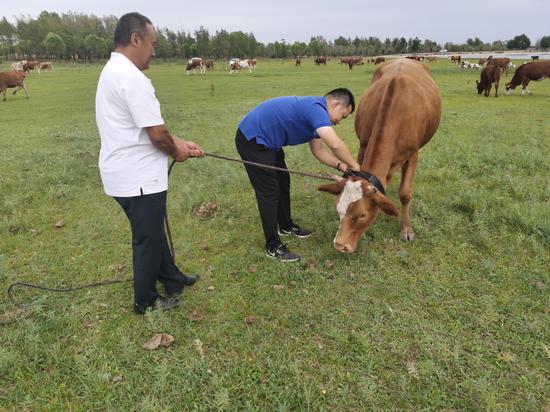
(204, 65)
(491, 70)
(15, 78)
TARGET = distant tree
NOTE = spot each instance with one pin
(342, 41)
(544, 42)
(8, 37)
(55, 45)
(318, 46)
(298, 49)
(202, 38)
(520, 42)
(430, 46)
(414, 45)
(95, 46)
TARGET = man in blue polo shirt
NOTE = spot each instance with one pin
(288, 121)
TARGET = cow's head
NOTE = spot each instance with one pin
(510, 86)
(358, 203)
(480, 86)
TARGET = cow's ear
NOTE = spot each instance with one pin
(334, 188)
(385, 204)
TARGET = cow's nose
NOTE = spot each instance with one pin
(343, 248)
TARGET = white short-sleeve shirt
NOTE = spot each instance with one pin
(125, 104)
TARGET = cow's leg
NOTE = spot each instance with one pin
(4, 92)
(25, 89)
(496, 88)
(405, 195)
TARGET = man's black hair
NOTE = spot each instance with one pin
(344, 95)
(128, 24)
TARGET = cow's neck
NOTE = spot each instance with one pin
(377, 159)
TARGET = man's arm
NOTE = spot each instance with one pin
(337, 147)
(173, 146)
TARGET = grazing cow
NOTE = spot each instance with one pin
(397, 115)
(432, 59)
(379, 60)
(489, 75)
(252, 63)
(193, 63)
(243, 64)
(320, 60)
(46, 66)
(13, 78)
(345, 60)
(298, 62)
(209, 65)
(526, 72)
(501, 62)
(481, 62)
(455, 59)
(31, 65)
(465, 64)
(534, 58)
(233, 65)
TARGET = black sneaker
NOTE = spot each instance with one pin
(296, 231)
(282, 253)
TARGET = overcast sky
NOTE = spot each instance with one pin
(295, 20)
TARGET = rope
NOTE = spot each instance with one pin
(264, 166)
(168, 234)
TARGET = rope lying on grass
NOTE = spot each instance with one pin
(168, 233)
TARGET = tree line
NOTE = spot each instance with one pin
(78, 36)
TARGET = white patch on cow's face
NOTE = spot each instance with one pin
(353, 191)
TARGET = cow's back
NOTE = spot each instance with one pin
(402, 104)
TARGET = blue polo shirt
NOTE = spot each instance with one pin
(286, 121)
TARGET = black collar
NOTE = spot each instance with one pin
(368, 177)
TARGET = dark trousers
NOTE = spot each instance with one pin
(150, 253)
(272, 187)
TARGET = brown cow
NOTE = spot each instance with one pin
(298, 62)
(481, 62)
(455, 59)
(397, 115)
(252, 63)
(489, 75)
(209, 65)
(536, 70)
(31, 65)
(379, 60)
(502, 62)
(432, 59)
(320, 60)
(13, 78)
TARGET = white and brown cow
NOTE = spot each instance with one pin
(398, 114)
(45, 66)
(193, 63)
(535, 70)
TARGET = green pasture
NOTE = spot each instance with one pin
(459, 319)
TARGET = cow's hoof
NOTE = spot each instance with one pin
(407, 235)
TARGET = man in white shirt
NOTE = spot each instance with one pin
(133, 160)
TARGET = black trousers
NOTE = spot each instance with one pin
(150, 253)
(272, 187)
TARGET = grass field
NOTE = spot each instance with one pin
(457, 320)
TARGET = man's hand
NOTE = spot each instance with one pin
(194, 148)
(186, 149)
